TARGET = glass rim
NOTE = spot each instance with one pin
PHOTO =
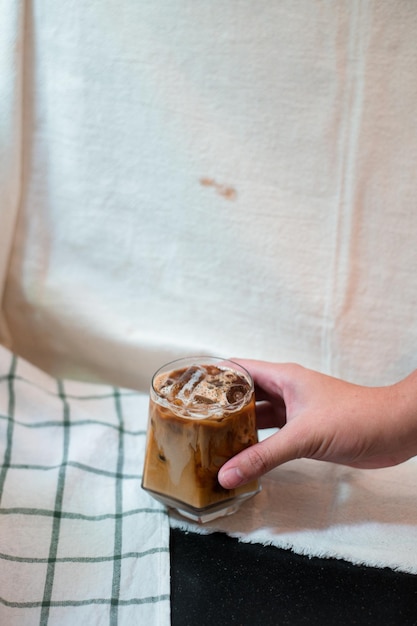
(212, 410)
(200, 359)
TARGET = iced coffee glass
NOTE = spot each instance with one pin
(201, 413)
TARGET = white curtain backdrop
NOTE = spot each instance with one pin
(233, 178)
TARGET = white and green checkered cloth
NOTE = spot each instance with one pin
(80, 541)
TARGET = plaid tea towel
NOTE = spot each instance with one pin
(80, 541)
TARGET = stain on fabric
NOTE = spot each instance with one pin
(226, 191)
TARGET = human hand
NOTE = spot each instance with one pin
(321, 417)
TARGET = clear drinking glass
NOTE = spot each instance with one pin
(201, 413)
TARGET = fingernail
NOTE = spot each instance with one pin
(231, 478)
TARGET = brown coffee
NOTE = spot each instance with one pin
(199, 417)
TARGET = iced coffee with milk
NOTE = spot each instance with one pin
(201, 413)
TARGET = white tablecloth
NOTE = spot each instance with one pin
(366, 517)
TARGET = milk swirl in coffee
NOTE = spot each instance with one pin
(199, 416)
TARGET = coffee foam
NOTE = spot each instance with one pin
(200, 390)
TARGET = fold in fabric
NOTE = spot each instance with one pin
(12, 44)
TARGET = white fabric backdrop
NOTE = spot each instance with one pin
(200, 177)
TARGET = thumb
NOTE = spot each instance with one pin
(260, 458)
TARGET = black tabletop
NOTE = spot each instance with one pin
(217, 580)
